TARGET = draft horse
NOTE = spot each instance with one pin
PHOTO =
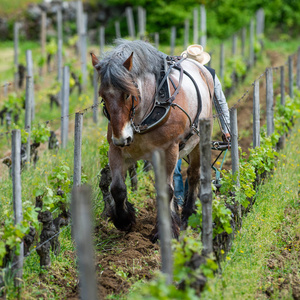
(135, 79)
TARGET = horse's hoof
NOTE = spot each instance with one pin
(154, 238)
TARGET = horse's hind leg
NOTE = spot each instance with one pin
(123, 213)
(193, 173)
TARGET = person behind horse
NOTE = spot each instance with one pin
(196, 52)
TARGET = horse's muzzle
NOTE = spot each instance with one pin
(122, 142)
(126, 136)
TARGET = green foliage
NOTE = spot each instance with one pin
(14, 103)
(220, 213)
(103, 151)
(51, 47)
(263, 158)
(11, 235)
(234, 64)
(58, 179)
(41, 133)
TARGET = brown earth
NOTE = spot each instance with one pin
(124, 258)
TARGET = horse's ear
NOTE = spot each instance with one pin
(128, 63)
(95, 61)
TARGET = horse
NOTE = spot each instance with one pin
(128, 87)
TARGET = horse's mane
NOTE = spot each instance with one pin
(146, 59)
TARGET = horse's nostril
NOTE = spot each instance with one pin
(128, 140)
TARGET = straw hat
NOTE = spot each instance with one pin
(196, 52)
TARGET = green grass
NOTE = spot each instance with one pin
(245, 266)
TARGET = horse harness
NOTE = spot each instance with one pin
(163, 100)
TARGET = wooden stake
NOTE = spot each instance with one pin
(65, 107)
(173, 39)
(270, 101)
(81, 209)
(17, 201)
(186, 33)
(77, 149)
(205, 186)
(291, 77)
(195, 26)
(256, 115)
(95, 109)
(28, 101)
(203, 25)
(163, 213)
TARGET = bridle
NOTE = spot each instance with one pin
(133, 105)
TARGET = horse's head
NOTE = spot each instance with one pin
(119, 99)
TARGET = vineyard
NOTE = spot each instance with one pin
(56, 238)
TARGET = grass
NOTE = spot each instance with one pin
(245, 267)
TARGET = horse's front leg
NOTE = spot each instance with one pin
(123, 213)
(193, 174)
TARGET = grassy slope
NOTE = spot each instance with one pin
(247, 273)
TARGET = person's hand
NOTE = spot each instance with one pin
(226, 137)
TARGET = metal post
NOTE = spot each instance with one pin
(29, 64)
(102, 39)
(256, 115)
(163, 213)
(173, 39)
(205, 186)
(81, 209)
(118, 29)
(269, 100)
(195, 26)
(95, 109)
(16, 54)
(130, 22)
(186, 33)
(222, 61)
(28, 100)
(17, 199)
(251, 49)
(65, 107)
(77, 149)
(203, 25)
(291, 78)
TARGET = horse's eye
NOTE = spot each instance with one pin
(126, 96)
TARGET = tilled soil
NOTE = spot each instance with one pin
(124, 258)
